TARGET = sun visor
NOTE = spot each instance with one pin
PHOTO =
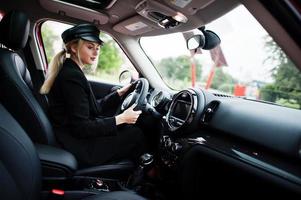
(136, 25)
(75, 11)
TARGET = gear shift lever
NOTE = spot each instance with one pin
(145, 162)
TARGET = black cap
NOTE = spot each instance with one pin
(87, 32)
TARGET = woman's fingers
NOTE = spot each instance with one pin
(124, 89)
(132, 115)
(133, 106)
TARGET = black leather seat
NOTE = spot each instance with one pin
(20, 169)
(17, 91)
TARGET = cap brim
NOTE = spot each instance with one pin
(92, 38)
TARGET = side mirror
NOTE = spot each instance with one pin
(125, 77)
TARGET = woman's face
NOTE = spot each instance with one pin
(89, 52)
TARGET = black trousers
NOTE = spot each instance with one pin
(129, 143)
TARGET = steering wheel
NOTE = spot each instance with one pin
(137, 96)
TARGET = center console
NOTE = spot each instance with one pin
(172, 149)
(182, 119)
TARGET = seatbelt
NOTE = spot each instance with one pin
(36, 76)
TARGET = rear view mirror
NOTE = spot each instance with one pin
(207, 41)
(196, 41)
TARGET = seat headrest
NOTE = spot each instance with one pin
(14, 30)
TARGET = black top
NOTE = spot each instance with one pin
(73, 107)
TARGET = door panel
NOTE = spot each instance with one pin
(101, 89)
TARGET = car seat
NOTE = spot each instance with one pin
(16, 93)
(20, 169)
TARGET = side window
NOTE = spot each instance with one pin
(109, 64)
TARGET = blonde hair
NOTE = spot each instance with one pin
(56, 64)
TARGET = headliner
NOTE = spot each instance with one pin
(123, 13)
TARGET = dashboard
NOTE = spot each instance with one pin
(255, 133)
(184, 108)
(182, 112)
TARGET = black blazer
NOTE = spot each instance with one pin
(73, 107)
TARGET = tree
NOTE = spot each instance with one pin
(222, 81)
(177, 71)
(110, 58)
(49, 37)
(287, 78)
(268, 93)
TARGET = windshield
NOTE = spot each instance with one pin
(247, 63)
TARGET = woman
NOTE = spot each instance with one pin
(74, 111)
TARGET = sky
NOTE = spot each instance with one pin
(243, 44)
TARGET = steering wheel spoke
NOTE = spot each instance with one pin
(137, 96)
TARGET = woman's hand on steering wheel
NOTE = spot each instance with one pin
(137, 95)
(129, 116)
(124, 89)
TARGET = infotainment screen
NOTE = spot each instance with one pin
(181, 110)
